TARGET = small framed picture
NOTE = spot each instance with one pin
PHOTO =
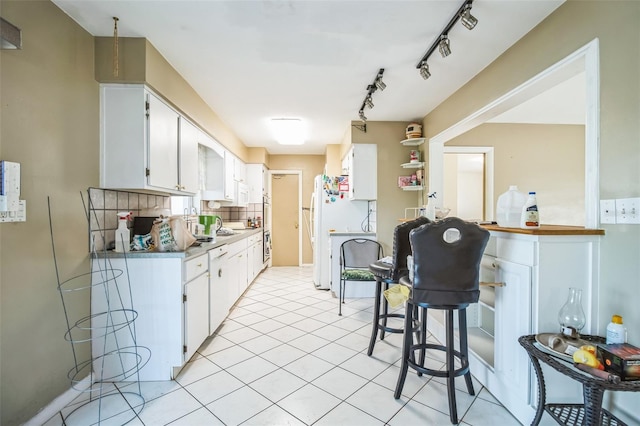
(404, 181)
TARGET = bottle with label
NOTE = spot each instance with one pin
(616, 332)
(509, 207)
(530, 217)
(123, 236)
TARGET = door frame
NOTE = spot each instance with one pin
(487, 151)
(299, 174)
(587, 59)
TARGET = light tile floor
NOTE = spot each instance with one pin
(285, 357)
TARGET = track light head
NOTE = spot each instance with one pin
(467, 19)
(443, 45)
(380, 84)
(424, 70)
(362, 116)
(368, 101)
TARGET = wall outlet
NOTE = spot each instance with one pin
(608, 211)
(628, 210)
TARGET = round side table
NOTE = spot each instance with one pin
(590, 413)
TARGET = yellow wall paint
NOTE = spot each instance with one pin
(50, 125)
(548, 159)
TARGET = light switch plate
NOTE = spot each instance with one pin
(628, 210)
(608, 211)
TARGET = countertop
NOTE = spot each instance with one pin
(354, 233)
(547, 230)
(192, 251)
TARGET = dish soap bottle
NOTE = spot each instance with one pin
(123, 239)
(530, 217)
(616, 332)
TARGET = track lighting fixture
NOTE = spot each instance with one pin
(424, 70)
(368, 99)
(442, 43)
(444, 46)
(467, 19)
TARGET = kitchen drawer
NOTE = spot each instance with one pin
(196, 266)
(237, 247)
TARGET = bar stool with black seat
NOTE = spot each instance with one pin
(446, 269)
(389, 273)
(356, 255)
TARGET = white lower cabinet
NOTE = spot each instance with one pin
(219, 277)
(179, 303)
(196, 304)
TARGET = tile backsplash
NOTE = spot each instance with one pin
(106, 203)
(233, 214)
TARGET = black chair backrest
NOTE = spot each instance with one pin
(359, 253)
(447, 272)
(402, 246)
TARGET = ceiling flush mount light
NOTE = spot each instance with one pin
(442, 43)
(288, 131)
(443, 46)
(424, 70)
(467, 19)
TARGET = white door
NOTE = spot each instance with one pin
(196, 314)
(188, 171)
(513, 314)
(163, 145)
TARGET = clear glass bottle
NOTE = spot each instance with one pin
(571, 313)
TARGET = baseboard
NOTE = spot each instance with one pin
(60, 402)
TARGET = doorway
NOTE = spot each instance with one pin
(286, 235)
(468, 182)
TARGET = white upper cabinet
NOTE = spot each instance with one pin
(190, 137)
(362, 165)
(140, 143)
(257, 181)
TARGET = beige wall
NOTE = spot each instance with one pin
(548, 159)
(573, 25)
(311, 166)
(49, 124)
(391, 154)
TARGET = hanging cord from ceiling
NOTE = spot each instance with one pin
(442, 42)
(116, 61)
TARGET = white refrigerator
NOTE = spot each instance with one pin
(331, 209)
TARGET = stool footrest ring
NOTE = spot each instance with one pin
(416, 324)
(464, 362)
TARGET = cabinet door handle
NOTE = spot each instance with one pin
(199, 265)
(220, 272)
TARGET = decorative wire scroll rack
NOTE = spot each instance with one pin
(105, 331)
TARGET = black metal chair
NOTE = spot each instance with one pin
(390, 273)
(446, 269)
(356, 255)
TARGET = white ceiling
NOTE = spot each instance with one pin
(256, 60)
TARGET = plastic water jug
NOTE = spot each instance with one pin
(509, 208)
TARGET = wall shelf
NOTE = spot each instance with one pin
(412, 188)
(414, 165)
(413, 142)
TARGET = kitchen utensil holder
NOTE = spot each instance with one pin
(112, 330)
